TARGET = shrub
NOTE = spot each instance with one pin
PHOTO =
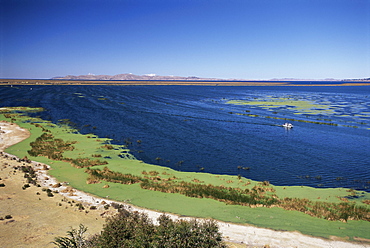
(108, 147)
(80, 206)
(116, 205)
(84, 162)
(191, 233)
(134, 229)
(265, 183)
(75, 238)
(153, 173)
(25, 186)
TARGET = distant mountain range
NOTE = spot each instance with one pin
(151, 77)
(129, 76)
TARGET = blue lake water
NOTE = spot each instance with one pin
(195, 128)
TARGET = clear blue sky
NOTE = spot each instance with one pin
(244, 39)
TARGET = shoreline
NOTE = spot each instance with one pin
(243, 234)
(234, 233)
(33, 82)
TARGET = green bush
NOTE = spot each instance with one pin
(134, 229)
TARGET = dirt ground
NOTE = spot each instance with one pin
(37, 218)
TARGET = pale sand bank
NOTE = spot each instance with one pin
(35, 224)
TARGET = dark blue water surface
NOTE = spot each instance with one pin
(193, 128)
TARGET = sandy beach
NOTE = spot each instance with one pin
(37, 218)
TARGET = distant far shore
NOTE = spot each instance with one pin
(12, 82)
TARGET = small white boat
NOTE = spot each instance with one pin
(288, 125)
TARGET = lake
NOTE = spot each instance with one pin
(224, 130)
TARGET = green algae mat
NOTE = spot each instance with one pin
(316, 111)
(94, 165)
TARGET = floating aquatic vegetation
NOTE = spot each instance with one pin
(20, 110)
(326, 109)
(301, 106)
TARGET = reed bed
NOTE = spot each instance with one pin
(48, 146)
(261, 195)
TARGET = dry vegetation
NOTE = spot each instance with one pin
(48, 146)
